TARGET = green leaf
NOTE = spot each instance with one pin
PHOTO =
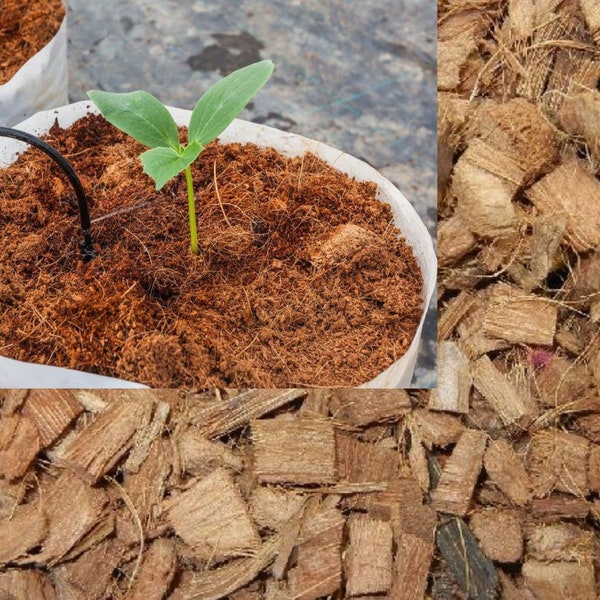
(226, 99)
(140, 115)
(162, 164)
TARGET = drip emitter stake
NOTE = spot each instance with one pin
(86, 245)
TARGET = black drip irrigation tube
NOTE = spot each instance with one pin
(86, 245)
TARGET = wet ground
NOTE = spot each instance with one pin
(358, 75)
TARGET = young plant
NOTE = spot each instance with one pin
(146, 119)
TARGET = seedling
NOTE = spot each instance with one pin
(146, 119)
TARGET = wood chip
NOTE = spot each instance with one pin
(501, 394)
(454, 380)
(499, 533)
(212, 518)
(98, 447)
(560, 580)
(506, 469)
(51, 411)
(475, 573)
(361, 407)
(300, 451)
(459, 476)
(369, 557)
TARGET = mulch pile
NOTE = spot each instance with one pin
(302, 278)
(295, 494)
(25, 28)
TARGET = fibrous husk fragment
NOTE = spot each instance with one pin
(454, 380)
(216, 418)
(274, 507)
(519, 317)
(369, 556)
(340, 245)
(484, 182)
(212, 518)
(19, 444)
(411, 567)
(24, 585)
(559, 580)
(156, 571)
(506, 469)
(318, 571)
(558, 461)
(301, 451)
(185, 516)
(22, 531)
(502, 394)
(559, 542)
(361, 407)
(519, 296)
(437, 428)
(51, 411)
(73, 510)
(98, 448)
(572, 192)
(499, 533)
(455, 488)
(579, 115)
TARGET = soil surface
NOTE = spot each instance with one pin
(25, 28)
(301, 280)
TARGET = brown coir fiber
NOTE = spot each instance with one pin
(25, 28)
(302, 278)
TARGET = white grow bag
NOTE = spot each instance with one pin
(40, 84)
(399, 374)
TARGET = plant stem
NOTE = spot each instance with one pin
(191, 211)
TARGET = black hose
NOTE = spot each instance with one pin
(86, 245)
